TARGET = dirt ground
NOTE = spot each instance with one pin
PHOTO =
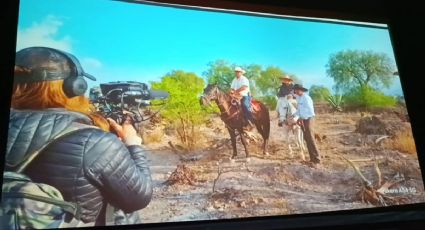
(211, 186)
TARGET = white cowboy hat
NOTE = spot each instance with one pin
(239, 69)
(286, 78)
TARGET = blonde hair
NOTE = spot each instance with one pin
(50, 94)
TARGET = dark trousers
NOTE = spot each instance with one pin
(246, 106)
(309, 139)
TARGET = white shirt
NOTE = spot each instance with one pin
(305, 108)
(239, 82)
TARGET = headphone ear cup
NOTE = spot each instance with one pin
(74, 86)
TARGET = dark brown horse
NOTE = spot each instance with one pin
(232, 115)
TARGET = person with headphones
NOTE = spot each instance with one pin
(91, 167)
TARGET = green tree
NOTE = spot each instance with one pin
(220, 72)
(353, 68)
(183, 109)
(264, 83)
(269, 81)
(253, 72)
(319, 93)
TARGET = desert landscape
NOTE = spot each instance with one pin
(369, 160)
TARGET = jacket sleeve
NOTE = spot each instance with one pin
(121, 172)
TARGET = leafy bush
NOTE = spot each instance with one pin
(183, 109)
(319, 93)
(269, 101)
(367, 97)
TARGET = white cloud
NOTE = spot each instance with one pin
(91, 63)
(44, 33)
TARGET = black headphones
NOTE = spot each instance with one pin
(48, 64)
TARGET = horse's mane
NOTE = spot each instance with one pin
(221, 90)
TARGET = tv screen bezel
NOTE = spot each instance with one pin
(407, 44)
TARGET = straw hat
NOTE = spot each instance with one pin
(286, 78)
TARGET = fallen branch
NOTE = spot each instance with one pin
(218, 176)
(368, 159)
(378, 172)
(182, 153)
(247, 169)
(365, 181)
(219, 173)
(175, 149)
(379, 139)
(368, 194)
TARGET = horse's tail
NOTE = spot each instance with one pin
(265, 132)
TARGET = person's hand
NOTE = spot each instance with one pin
(126, 132)
(300, 122)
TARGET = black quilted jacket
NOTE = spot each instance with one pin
(89, 167)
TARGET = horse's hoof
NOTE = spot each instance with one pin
(266, 154)
(248, 159)
(232, 161)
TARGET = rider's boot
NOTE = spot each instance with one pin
(248, 125)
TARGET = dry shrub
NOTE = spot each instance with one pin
(191, 139)
(152, 136)
(371, 125)
(183, 175)
(403, 142)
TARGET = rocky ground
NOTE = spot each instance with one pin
(205, 184)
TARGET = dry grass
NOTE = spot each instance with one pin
(196, 140)
(403, 142)
(153, 136)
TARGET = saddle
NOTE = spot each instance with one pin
(255, 105)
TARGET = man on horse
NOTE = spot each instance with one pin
(285, 93)
(240, 88)
(286, 87)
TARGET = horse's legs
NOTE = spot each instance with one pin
(265, 142)
(286, 138)
(243, 140)
(300, 141)
(233, 139)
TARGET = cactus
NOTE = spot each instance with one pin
(335, 101)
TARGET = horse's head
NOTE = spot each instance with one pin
(286, 109)
(210, 93)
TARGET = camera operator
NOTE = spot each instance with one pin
(90, 166)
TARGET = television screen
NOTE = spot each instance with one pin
(240, 114)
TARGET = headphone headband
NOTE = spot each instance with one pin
(47, 64)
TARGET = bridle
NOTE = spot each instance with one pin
(222, 103)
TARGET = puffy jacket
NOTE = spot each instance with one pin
(89, 167)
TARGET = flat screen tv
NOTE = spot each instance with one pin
(172, 64)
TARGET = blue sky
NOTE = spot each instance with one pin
(123, 41)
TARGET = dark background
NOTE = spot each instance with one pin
(407, 30)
